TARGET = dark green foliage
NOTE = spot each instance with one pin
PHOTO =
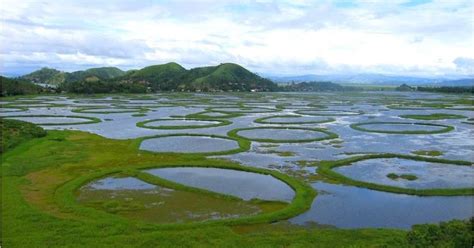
(12, 87)
(160, 77)
(94, 87)
(448, 89)
(409, 177)
(436, 116)
(224, 77)
(229, 77)
(14, 132)
(455, 233)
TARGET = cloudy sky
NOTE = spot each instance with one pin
(401, 37)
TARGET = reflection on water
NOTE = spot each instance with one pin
(352, 207)
(245, 185)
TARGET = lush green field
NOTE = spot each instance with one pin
(39, 210)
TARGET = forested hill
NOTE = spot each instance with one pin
(174, 77)
(55, 77)
(12, 87)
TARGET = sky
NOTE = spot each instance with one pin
(429, 38)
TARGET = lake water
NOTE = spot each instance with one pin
(245, 185)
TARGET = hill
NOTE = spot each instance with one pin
(224, 77)
(55, 77)
(229, 77)
(101, 73)
(46, 75)
(11, 87)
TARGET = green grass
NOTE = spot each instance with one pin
(15, 132)
(431, 153)
(444, 129)
(86, 119)
(325, 168)
(244, 145)
(40, 209)
(267, 120)
(436, 116)
(220, 122)
(329, 135)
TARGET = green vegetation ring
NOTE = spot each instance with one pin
(98, 110)
(265, 120)
(244, 144)
(325, 169)
(339, 112)
(435, 116)
(204, 115)
(242, 110)
(329, 135)
(304, 195)
(143, 124)
(88, 120)
(15, 109)
(445, 128)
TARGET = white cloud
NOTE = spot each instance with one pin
(284, 37)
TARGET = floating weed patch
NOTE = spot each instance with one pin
(55, 120)
(395, 176)
(292, 119)
(403, 127)
(325, 168)
(436, 116)
(326, 112)
(182, 123)
(194, 144)
(282, 134)
(431, 153)
(108, 110)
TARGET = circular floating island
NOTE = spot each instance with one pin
(409, 173)
(181, 123)
(54, 120)
(194, 143)
(11, 109)
(402, 127)
(293, 119)
(327, 112)
(226, 194)
(107, 110)
(243, 110)
(282, 134)
(403, 174)
(435, 116)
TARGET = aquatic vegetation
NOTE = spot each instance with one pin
(436, 116)
(182, 123)
(291, 119)
(431, 153)
(314, 134)
(55, 120)
(325, 168)
(409, 177)
(411, 127)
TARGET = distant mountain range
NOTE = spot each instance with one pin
(224, 77)
(379, 79)
(164, 77)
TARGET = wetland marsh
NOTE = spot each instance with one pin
(178, 161)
